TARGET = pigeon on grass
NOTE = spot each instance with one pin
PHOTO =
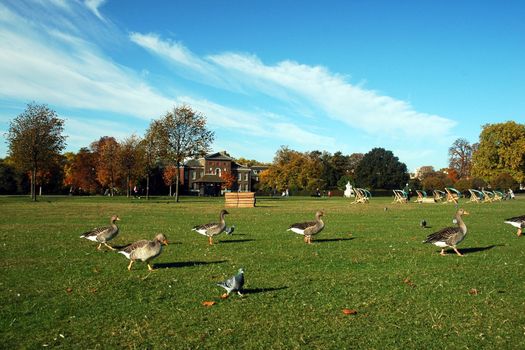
(233, 284)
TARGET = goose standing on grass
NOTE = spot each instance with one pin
(233, 284)
(308, 229)
(144, 250)
(103, 234)
(518, 221)
(213, 229)
(450, 236)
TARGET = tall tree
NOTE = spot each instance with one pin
(379, 168)
(151, 152)
(131, 160)
(182, 133)
(35, 137)
(169, 175)
(81, 172)
(460, 158)
(106, 151)
(501, 149)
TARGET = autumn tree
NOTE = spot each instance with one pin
(379, 168)
(294, 170)
(503, 182)
(80, 172)
(501, 149)
(131, 160)
(106, 151)
(169, 175)
(35, 137)
(228, 180)
(436, 180)
(181, 134)
(460, 158)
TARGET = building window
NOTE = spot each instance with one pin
(246, 187)
(246, 177)
(240, 177)
(193, 174)
(218, 172)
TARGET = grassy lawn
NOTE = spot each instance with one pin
(57, 290)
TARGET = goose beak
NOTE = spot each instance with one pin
(466, 213)
(165, 242)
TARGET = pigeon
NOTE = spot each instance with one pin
(423, 224)
(233, 284)
(229, 229)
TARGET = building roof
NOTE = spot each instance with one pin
(219, 156)
(209, 178)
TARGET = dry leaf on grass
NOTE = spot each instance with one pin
(208, 303)
(349, 311)
(408, 282)
(69, 290)
(93, 290)
(473, 291)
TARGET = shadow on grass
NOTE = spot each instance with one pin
(236, 241)
(173, 265)
(476, 249)
(321, 240)
(262, 290)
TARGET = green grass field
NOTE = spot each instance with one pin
(57, 290)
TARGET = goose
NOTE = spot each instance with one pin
(144, 250)
(213, 229)
(450, 236)
(308, 229)
(518, 221)
(103, 234)
(233, 284)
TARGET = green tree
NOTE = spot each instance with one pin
(35, 138)
(182, 134)
(379, 168)
(501, 149)
(503, 182)
(7, 178)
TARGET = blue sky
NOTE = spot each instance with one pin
(408, 76)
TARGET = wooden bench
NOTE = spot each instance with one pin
(239, 199)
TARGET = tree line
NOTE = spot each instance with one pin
(152, 163)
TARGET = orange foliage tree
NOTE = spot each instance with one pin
(229, 180)
(169, 175)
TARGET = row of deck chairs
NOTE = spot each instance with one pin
(448, 195)
(485, 196)
(361, 195)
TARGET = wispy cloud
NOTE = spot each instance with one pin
(93, 6)
(41, 63)
(301, 85)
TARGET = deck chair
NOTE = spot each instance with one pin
(421, 195)
(359, 196)
(476, 196)
(498, 195)
(367, 194)
(452, 195)
(400, 196)
(489, 196)
(439, 195)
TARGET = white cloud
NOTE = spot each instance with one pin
(93, 6)
(43, 64)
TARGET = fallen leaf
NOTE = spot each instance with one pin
(93, 290)
(473, 291)
(407, 281)
(349, 311)
(208, 303)
(69, 290)
(224, 296)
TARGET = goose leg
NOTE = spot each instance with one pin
(210, 240)
(150, 268)
(110, 247)
(457, 251)
(240, 294)
(442, 252)
(309, 239)
(129, 266)
(100, 245)
(520, 231)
